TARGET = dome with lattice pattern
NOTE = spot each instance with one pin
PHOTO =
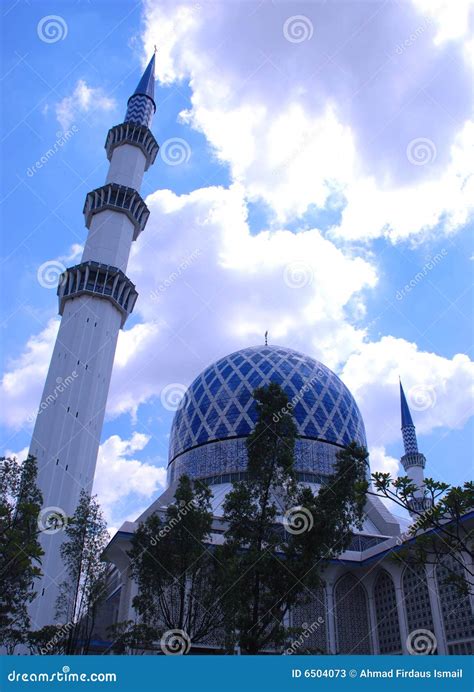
(219, 404)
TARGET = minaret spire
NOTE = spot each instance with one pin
(95, 299)
(141, 105)
(413, 461)
(408, 429)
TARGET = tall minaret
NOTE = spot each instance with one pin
(413, 461)
(95, 299)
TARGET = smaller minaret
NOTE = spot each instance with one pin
(413, 461)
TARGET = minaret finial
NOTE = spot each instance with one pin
(266, 338)
(156, 49)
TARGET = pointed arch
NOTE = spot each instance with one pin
(388, 627)
(352, 616)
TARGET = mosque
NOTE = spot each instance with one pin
(369, 603)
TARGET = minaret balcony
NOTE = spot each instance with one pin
(137, 135)
(100, 281)
(117, 198)
(414, 459)
(420, 504)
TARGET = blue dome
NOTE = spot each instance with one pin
(219, 404)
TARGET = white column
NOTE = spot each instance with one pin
(330, 617)
(400, 600)
(438, 625)
(374, 635)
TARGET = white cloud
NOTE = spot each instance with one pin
(218, 288)
(22, 383)
(383, 462)
(451, 18)
(21, 455)
(74, 254)
(439, 390)
(83, 100)
(335, 115)
(122, 481)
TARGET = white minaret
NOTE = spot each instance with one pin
(413, 461)
(95, 299)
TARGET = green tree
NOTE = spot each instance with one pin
(83, 591)
(268, 568)
(20, 551)
(49, 640)
(132, 638)
(439, 534)
(174, 568)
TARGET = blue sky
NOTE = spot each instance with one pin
(328, 164)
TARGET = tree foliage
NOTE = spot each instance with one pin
(20, 551)
(173, 566)
(83, 591)
(49, 640)
(268, 567)
(439, 534)
(129, 637)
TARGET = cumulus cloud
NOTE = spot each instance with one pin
(83, 101)
(439, 390)
(122, 481)
(22, 383)
(374, 110)
(383, 462)
(218, 288)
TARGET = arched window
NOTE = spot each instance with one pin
(352, 619)
(456, 608)
(417, 599)
(311, 617)
(387, 616)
